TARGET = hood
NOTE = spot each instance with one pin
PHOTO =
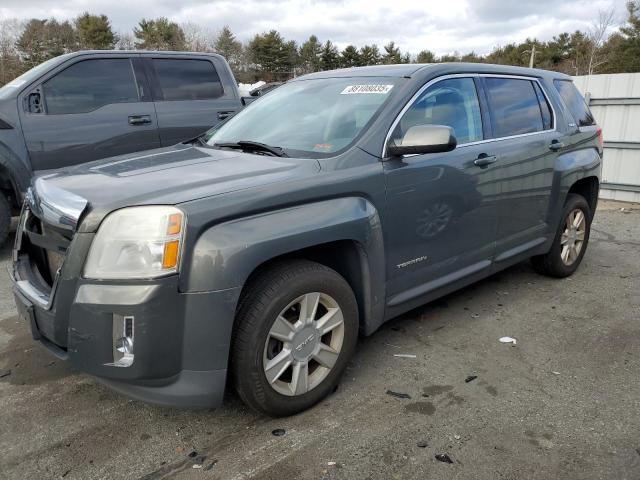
(169, 176)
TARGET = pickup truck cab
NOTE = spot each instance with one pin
(260, 251)
(89, 105)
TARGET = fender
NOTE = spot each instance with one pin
(226, 254)
(18, 174)
(569, 168)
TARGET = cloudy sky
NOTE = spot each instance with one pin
(443, 26)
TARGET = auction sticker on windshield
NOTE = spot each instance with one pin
(353, 89)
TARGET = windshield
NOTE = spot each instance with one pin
(308, 118)
(26, 77)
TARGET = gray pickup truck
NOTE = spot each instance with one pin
(95, 104)
(256, 254)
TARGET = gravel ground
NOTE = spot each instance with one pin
(563, 403)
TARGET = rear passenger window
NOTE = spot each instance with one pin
(452, 102)
(574, 102)
(187, 79)
(514, 105)
(90, 84)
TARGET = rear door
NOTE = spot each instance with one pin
(526, 145)
(88, 109)
(189, 95)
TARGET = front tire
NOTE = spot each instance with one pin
(570, 243)
(296, 329)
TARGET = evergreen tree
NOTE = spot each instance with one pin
(94, 32)
(426, 56)
(391, 54)
(45, 39)
(329, 58)
(159, 34)
(350, 57)
(272, 55)
(310, 53)
(229, 47)
(370, 55)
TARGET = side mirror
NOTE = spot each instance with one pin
(421, 139)
(247, 100)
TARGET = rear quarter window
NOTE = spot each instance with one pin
(574, 102)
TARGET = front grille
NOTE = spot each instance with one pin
(44, 247)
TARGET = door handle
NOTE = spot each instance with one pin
(225, 115)
(484, 160)
(139, 119)
(556, 145)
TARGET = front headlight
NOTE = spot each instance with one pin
(137, 242)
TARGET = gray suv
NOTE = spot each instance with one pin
(95, 104)
(256, 254)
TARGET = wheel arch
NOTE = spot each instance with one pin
(587, 187)
(343, 234)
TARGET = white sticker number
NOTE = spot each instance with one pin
(355, 89)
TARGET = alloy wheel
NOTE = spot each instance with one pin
(572, 239)
(303, 344)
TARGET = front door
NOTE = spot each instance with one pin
(89, 110)
(440, 220)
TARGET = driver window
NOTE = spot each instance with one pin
(452, 102)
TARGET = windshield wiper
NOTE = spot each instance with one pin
(248, 145)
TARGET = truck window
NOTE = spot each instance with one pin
(574, 102)
(187, 79)
(90, 84)
(514, 107)
(452, 102)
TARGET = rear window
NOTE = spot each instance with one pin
(574, 102)
(90, 84)
(515, 107)
(187, 79)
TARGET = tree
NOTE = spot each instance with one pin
(350, 57)
(626, 57)
(126, 41)
(369, 55)
(159, 34)
(272, 55)
(597, 36)
(197, 38)
(229, 47)
(426, 56)
(329, 58)
(391, 54)
(310, 53)
(94, 32)
(44, 39)
(10, 64)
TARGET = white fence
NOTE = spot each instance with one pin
(615, 102)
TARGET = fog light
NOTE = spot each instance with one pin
(123, 328)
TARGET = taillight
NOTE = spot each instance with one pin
(600, 140)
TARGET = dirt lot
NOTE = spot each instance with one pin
(563, 403)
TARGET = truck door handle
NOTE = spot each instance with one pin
(139, 119)
(225, 115)
(484, 160)
(556, 145)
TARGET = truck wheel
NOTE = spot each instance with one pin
(5, 218)
(570, 242)
(295, 331)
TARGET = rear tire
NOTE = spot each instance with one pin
(5, 218)
(287, 355)
(571, 240)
